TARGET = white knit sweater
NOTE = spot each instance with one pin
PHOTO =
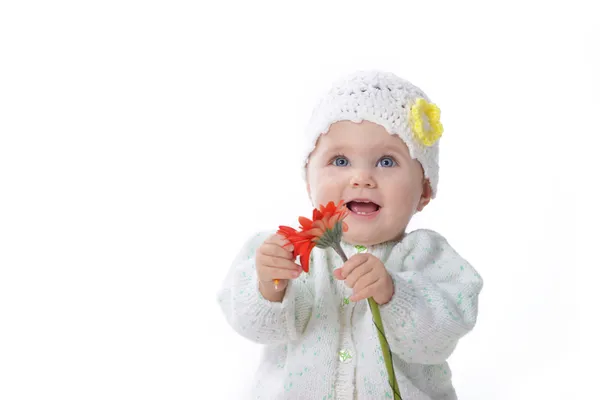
(319, 345)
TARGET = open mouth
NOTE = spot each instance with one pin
(363, 207)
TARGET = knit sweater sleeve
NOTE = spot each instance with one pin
(435, 298)
(253, 316)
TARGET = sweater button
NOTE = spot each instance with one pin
(345, 356)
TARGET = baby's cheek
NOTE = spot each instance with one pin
(407, 193)
(327, 181)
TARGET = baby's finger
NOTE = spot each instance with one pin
(281, 242)
(364, 281)
(364, 293)
(270, 273)
(337, 273)
(358, 273)
(278, 262)
(352, 263)
(272, 249)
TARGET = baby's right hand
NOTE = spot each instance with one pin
(274, 260)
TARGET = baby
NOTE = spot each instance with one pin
(372, 143)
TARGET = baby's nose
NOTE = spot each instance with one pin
(362, 180)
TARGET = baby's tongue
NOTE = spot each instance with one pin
(363, 207)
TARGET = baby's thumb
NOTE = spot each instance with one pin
(337, 273)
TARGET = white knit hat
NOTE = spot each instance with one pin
(385, 99)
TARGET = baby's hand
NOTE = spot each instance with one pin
(367, 275)
(274, 260)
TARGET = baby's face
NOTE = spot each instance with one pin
(373, 173)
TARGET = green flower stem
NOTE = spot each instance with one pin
(385, 347)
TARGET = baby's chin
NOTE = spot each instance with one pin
(370, 238)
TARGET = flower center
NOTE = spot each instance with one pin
(426, 124)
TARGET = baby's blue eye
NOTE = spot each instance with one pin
(340, 161)
(387, 162)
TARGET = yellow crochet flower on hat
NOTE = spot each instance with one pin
(425, 120)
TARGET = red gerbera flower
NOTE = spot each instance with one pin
(324, 230)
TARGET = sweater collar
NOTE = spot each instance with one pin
(380, 250)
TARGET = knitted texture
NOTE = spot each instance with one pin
(319, 345)
(381, 98)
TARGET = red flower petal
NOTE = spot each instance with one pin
(315, 232)
(303, 247)
(317, 215)
(286, 231)
(320, 225)
(344, 227)
(304, 261)
(305, 222)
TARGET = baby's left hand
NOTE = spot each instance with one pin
(367, 275)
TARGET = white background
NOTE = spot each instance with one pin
(142, 142)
